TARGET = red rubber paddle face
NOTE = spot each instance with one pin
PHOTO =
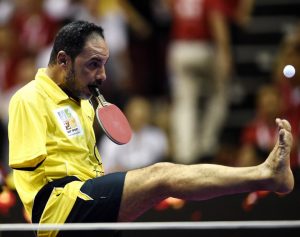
(114, 123)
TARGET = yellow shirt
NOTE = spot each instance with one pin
(46, 126)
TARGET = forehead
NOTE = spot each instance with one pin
(95, 46)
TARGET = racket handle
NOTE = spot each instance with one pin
(100, 99)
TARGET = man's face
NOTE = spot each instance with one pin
(87, 69)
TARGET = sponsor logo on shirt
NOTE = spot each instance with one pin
(69, 121)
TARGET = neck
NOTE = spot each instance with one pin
(69, 93)
(58, 76)
(55, 74)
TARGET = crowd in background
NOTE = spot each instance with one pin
(170, 69)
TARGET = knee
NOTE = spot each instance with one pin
(162, 174)
(162, 167)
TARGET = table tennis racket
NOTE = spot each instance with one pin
(111, 119)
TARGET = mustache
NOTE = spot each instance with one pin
(96, 84)
(95, 88)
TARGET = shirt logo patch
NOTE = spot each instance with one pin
(69, 121)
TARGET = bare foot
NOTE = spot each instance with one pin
(278, 162)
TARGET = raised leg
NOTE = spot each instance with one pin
(145, 187)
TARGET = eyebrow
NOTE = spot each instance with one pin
(99, 59)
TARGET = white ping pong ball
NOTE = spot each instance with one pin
(289, 71)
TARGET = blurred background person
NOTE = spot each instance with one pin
(8, 57)
(200, 67)
(289, 54)
(34, 27)
(24, 71)
(7, 66)
(239, 15)
(279, 98)
(148, 144)
(148, 28)
(61, 11)
(258, 136)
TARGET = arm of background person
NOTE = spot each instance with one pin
(221, 38)
(135, 20)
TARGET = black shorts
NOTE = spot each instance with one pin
(106, 192)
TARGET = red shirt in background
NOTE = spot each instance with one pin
(191, 18)
(262, 137)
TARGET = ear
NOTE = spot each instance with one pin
(62, 59)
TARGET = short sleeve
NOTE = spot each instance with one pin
(27, 133)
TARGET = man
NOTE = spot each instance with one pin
(200, 68)
(58, 172)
